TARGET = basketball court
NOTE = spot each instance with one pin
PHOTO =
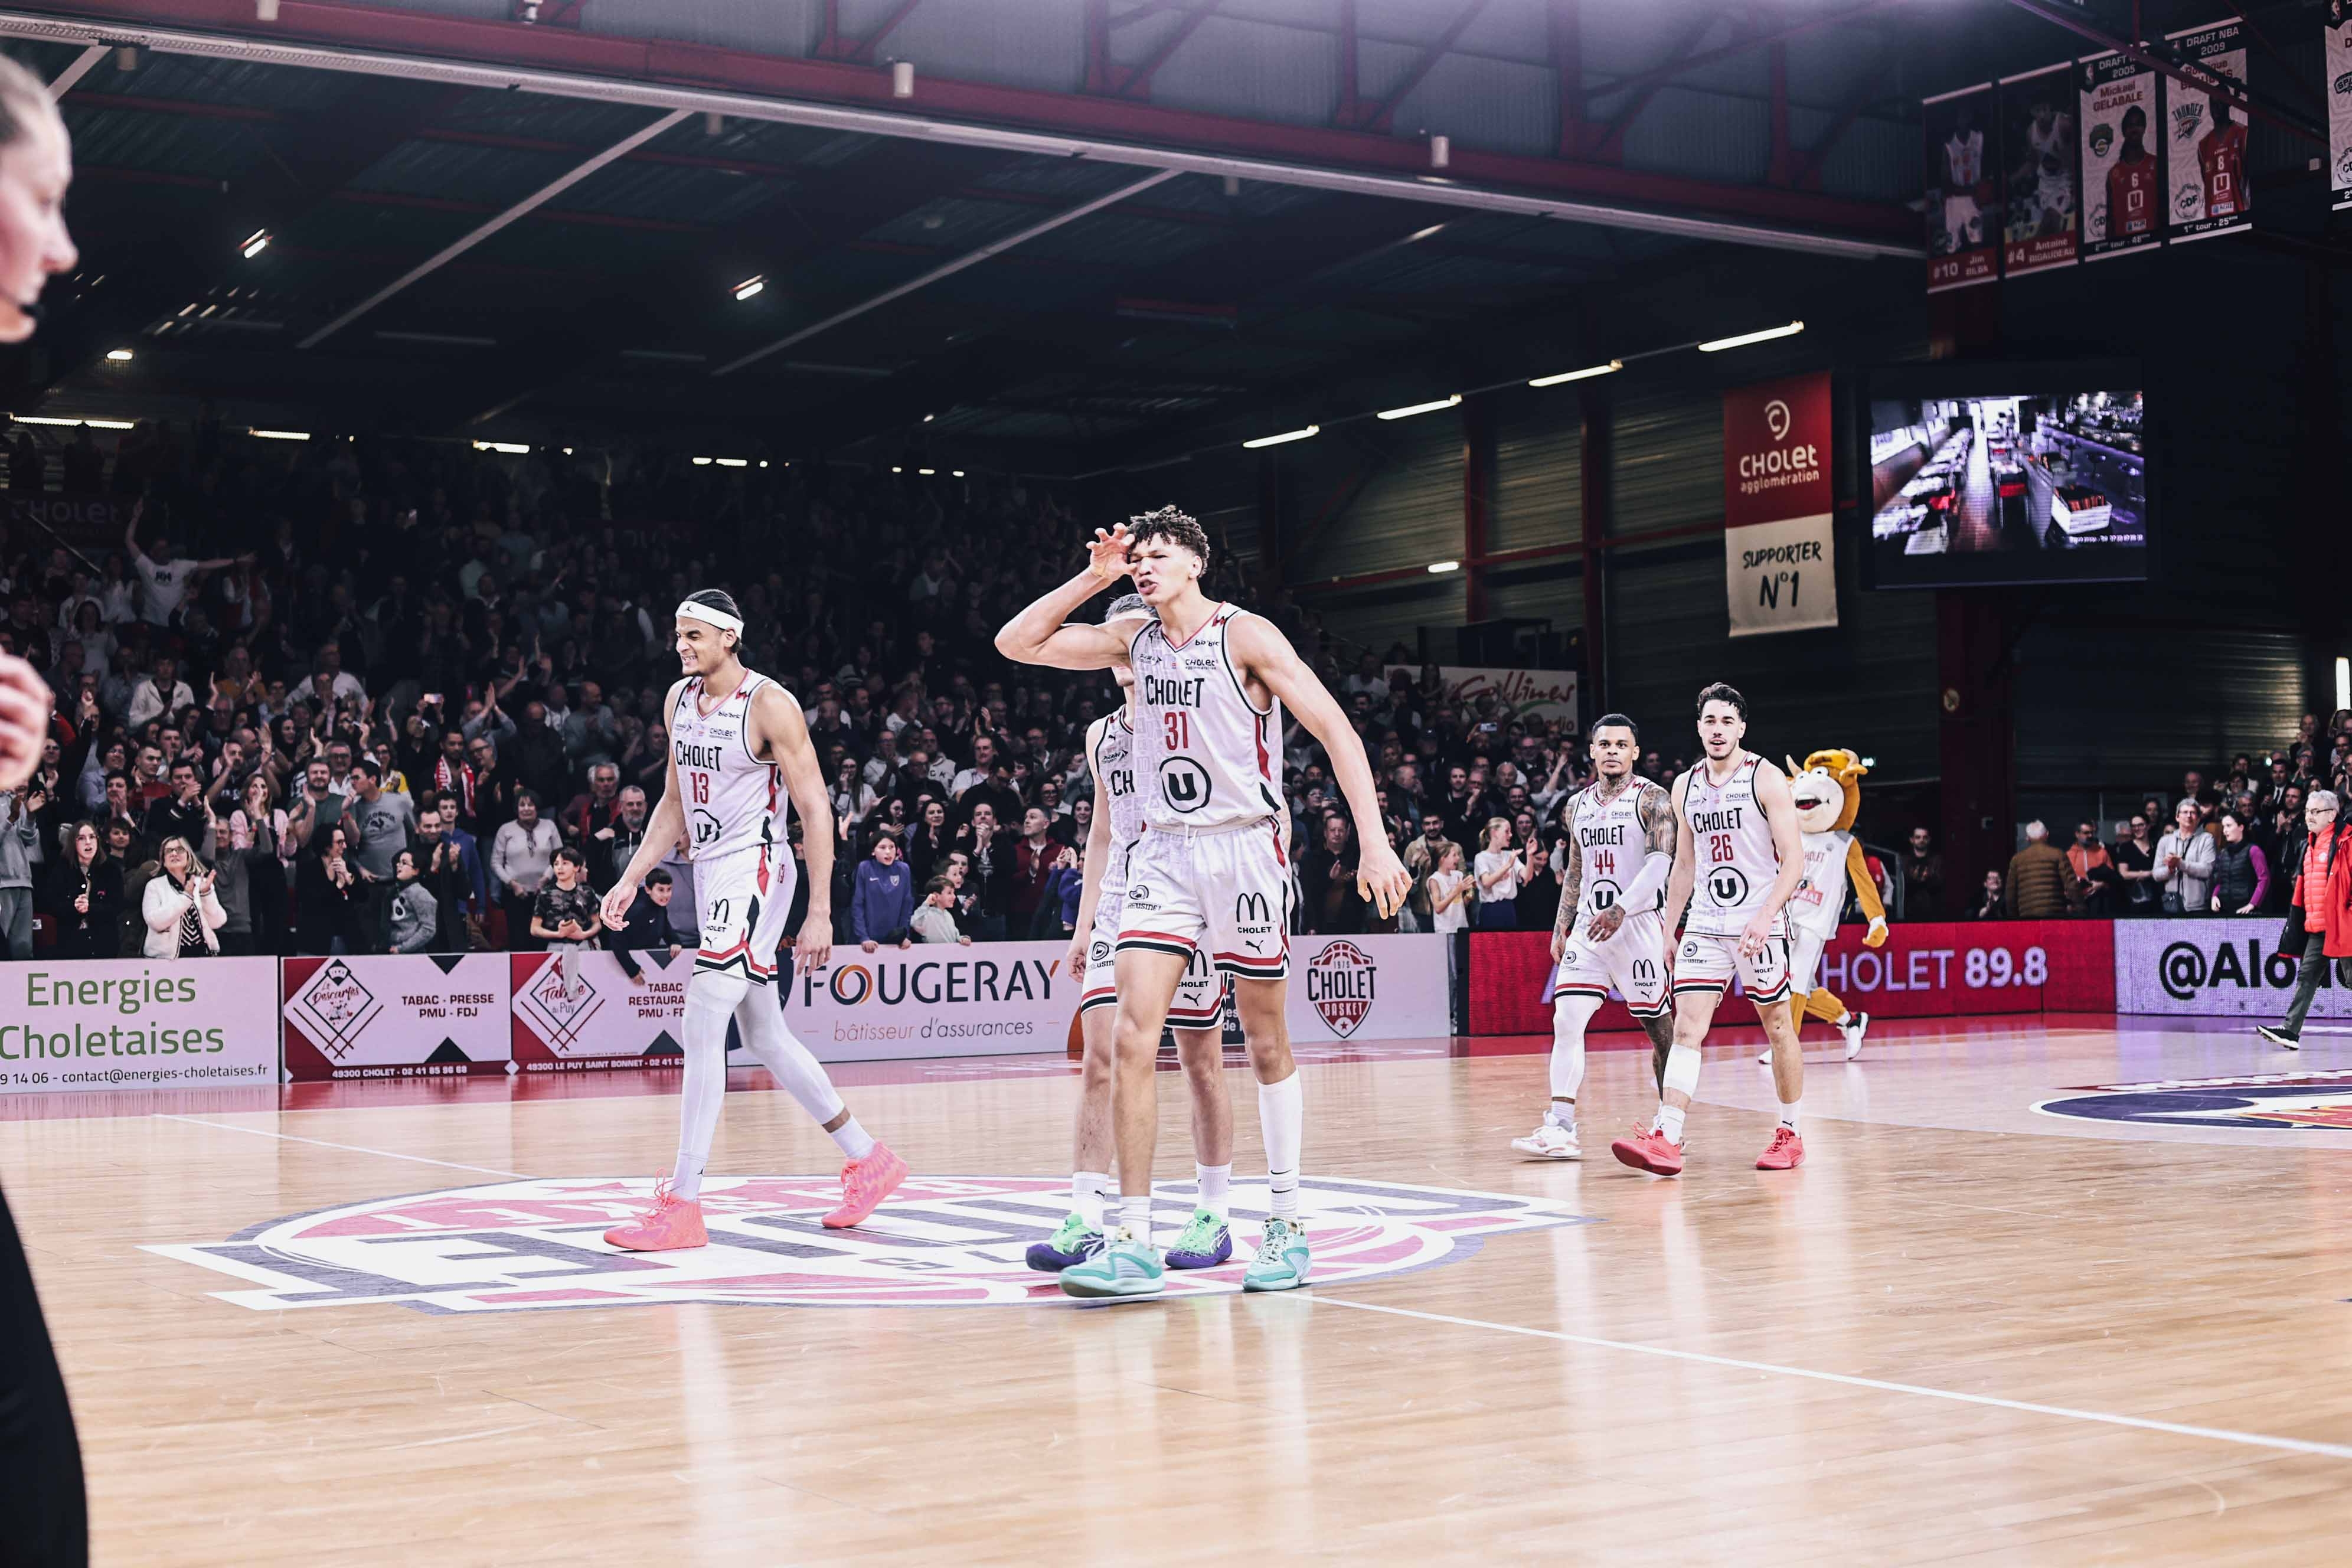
(2046, 1291)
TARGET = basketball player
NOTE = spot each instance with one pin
(1197, 1017)
(1737, 858)
(1963, 172)
(43, 1521)
(735, 736)
(2222, 160)
(1210, 869)
(2131, 181)
(1620, 851)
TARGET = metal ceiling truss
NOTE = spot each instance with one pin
(1480, 181)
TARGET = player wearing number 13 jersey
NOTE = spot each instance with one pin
(1739, 854)
(1209, 871)
(738, 743)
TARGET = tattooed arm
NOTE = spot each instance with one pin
(1572, 889)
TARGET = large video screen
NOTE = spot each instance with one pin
(1992, 476)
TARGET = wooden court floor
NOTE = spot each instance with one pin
(1966, 1330)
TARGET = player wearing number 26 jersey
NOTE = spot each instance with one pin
(736, 812)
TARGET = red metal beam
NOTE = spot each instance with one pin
(1382, 116)
(1684, 64)
(1135, 81)
(335, 24)
(1806, 174)
(1610, 147)
(862, 51)
(2147, 54)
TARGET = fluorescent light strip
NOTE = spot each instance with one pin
(512, 448)
(1286, 436)
(1411, 409)
(1742, 342)
(1436, 566)
(120, 356)
(280, 434)
(732, 462)
(1587, 373)
(53, 419)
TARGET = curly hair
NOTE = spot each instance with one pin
(1178, 527)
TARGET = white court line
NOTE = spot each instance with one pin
(2215, 1434)
(323, 1143)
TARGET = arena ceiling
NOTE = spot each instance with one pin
(1095, 230)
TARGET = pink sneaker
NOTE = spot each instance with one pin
(864, 1185)
(672, 1223)
(1786, 1152)
(1649, 1150)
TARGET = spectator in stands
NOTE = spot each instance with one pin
(987, 875)
(2241, 873)
(451, 870)
(882, 908)
(413, 919)
(1499, 868)
(1990, 905)
(647, 927)
(564, 915)
(324, 920)
(1450, 890)
(2319, 914)
(2095, 877)
(520, 857)
(2040, 883)
(85, 895)
(19, 841)
(183, 813)
(382, 823)
(2133, 853)
(183, 915)
(935, 920)
(2184, 861)
(1033, 857)
(1538, 901)
(612, 846)
(1923, 877)
(1326, 879)
(590, 814)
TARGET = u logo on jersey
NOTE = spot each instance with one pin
(1726, 886)
(1184, 783)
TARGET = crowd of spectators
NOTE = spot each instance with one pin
(370, 696)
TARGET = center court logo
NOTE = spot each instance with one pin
(944, 1241)
(2263, 1102)
(1340, 984)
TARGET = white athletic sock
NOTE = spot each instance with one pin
(1792, 1115)
(1282, 1117)
(1086, 1190)
(1563, 1114)
(1214, 1181)
(1845, 1019)
(1570, 1014)
(1135, 1217)
(759, 1018)
(854, 1142)
(711, 1001)
(1670, 1121)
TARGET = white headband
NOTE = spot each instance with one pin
(695, 610)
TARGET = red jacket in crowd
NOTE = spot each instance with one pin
(2325, 868)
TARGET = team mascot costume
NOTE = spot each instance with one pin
(1827, 792)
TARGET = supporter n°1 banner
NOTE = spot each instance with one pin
(1780, 564)
(2123, 196)
(2041, 205)
(2336, 70)
(1963, 205)
(2205, 137)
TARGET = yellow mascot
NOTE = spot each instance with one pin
(1827, 792)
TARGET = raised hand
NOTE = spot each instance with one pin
(1107, 555)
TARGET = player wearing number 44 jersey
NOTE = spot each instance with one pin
(1210, 869)
(738, 743)
(1738, 856)
(1613, 871)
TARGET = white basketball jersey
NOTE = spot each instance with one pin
(1203, 755)
(1610, 844)
(1733, 845)
(1820, 899)
(2058, 142)
(1964, 157)
(733, 801)
(1110, 756)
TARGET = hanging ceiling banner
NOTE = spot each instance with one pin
(2337, 59)
(1963, 198)
(2041, 207)
(2206, 138)
(2122, 180)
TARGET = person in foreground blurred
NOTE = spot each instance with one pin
(49, 1523)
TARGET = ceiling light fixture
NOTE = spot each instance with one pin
(280, 434)
(255, 243)
(732, 462)
(958, 473)
(511, 448)
(1286, 436)
(1421, 234)
(927, 472)
(120, 356)
(749, 287)
(1744, 338)
(1409, 410)
(1437, 566)
(53, 419)
(1587, 373)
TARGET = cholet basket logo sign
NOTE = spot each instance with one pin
(942, 1241)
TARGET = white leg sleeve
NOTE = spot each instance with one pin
(710, 1000)
(760, 1017)
(1570, 1014)
(1681, 1068)
(1282, 1117)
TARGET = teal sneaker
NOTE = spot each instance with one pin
(1282, 1260)
(1125, 1267)
(1075, 1242)
(1204, 1242)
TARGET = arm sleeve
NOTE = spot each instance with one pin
(1649, 881)
(1866, 886)
(2262, 873)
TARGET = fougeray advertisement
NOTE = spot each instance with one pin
(136, 1024)
(928, 1000)
(1779, 571)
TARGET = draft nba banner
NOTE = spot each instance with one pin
(397, 1016)
(137, 1024)
(2335, 63)
(2206, 137)
(2122, 196)
(1963, 203)
(2214, 968)
(1545, 694)
(1778, 562)
(2043, 208)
